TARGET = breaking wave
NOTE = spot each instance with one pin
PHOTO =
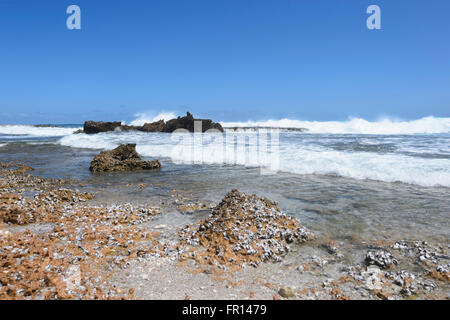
(24, 130)
(415, 152)
(148, 117)
(427, 125)
(428, 166)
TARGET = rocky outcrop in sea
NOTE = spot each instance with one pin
(122, 158)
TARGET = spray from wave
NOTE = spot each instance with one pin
(148, 117)
(427, 125)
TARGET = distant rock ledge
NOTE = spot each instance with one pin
(237, 129)
(186, 122)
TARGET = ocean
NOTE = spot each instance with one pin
(385, 179)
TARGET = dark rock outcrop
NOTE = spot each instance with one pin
(187, 122)
(122, 158)
(100, 126)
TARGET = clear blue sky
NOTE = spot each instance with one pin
(224, 59)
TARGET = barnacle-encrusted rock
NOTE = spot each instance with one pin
(244, 230)
(122, 158)
(442, 273)
(381, 258)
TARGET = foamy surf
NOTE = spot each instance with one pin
(427, 125)
(424, 162)
(24, 130)
(414, 152)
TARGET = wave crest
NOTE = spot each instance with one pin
(24, 130)
(427, 125)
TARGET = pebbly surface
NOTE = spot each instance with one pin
(59, 243)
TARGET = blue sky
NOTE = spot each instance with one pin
(229, 60)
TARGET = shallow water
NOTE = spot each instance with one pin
(333, 206)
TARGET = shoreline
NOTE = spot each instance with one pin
(317, 269)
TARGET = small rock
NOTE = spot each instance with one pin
(286, 292)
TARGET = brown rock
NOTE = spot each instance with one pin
(187, 122)
(156, 126)
(122, 158)
(125, 127)
(100, 126)
(243, 230)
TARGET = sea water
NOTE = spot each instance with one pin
(371, 180)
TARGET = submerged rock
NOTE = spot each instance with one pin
(100, 126)
(122, 158)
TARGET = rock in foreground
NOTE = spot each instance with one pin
(380, 258)
(122, 158)
(243, 230)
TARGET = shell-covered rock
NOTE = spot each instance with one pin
(381, 258)
(244, 230)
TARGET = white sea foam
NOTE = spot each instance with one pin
(36, 131)
(367, 165)
(401, 156)
(294, 155)
(108, 140)
(428, 125)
